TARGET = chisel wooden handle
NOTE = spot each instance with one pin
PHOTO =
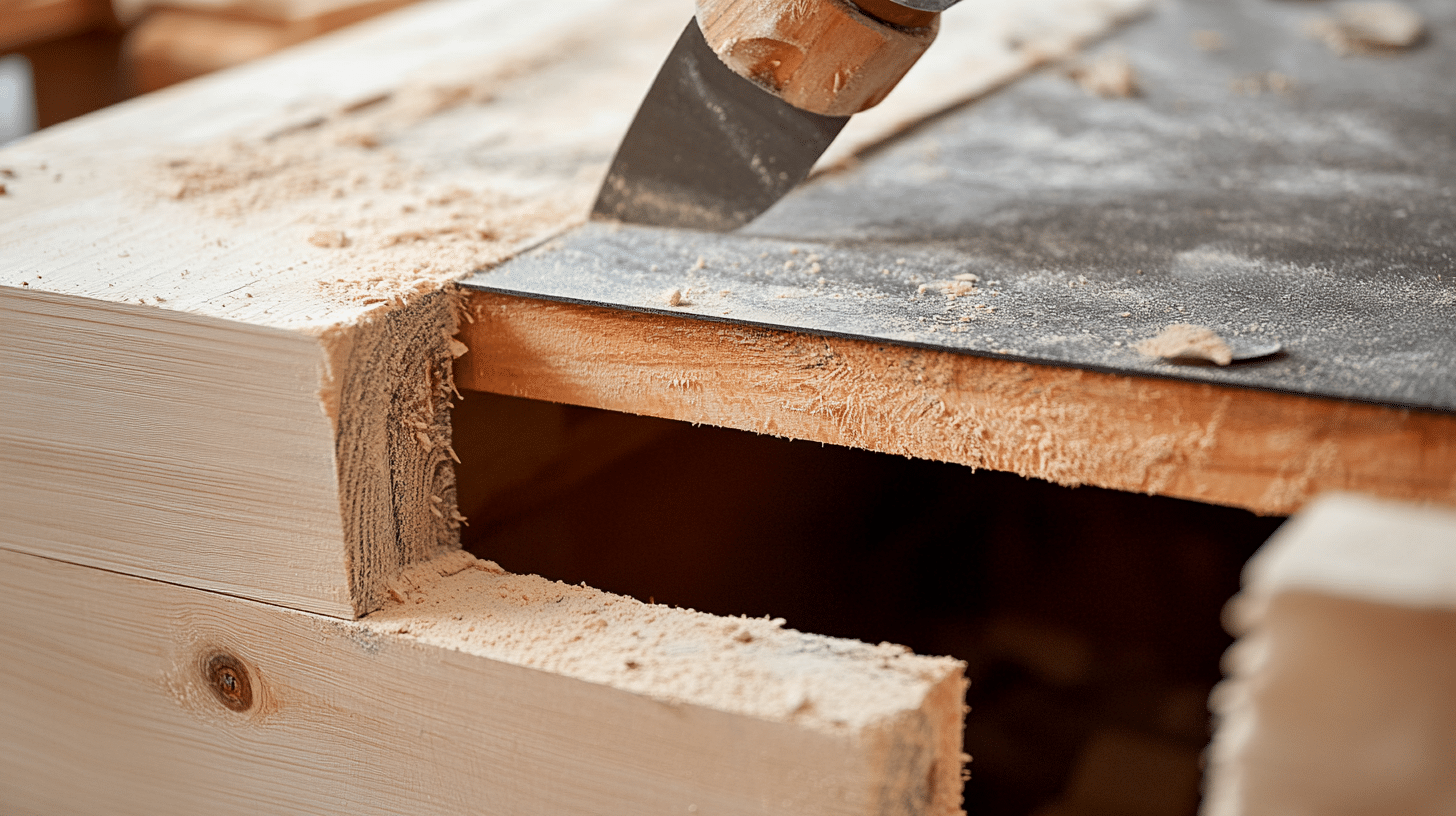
(832, 57)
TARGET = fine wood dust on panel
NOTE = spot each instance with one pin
(982, 45)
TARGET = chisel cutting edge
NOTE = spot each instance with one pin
(750, 97)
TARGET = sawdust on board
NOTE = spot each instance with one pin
(454, 170)
(751, 666)
(1208, 40)
(398, 218)
(1187, 341)
(1263, 82)
(1109, 75)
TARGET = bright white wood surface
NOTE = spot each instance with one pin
(106, 710)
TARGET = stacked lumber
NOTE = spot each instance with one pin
(475, 691)
(1340, 699)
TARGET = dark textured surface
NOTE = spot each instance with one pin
(1318, 216)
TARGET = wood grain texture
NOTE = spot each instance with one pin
(271, 11)
(109, 709)
(202, 361)
(218, 454)
(1262, 451)
(173, 44)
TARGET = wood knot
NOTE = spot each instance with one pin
(229, 680)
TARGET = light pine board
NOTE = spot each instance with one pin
(226, 455)
(108, 709)
(213, 385)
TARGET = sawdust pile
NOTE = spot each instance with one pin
(751, 666)
(1187, 341)
(392, 221)
(386, 186)
(1369, 27)
(1109, 75)
(1263, 82)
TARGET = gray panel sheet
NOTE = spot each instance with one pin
(1314, 208)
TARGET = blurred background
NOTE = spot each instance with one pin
(60, 59)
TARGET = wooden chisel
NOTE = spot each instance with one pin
(750, 97)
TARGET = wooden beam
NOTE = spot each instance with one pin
(475, 691)
(1339, 695)
(1263, 451)
(226, 455)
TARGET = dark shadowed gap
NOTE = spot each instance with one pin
(1089, 618)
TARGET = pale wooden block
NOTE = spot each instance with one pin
(1341, 698)
(225, 312)
(478, 692)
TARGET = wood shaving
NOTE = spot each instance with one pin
(1187, 341)
(1210, 41)
(1266, 82)
(1110, 76)
(955, 288)
(1369, 27)
(329, 239)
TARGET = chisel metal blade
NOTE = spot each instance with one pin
(709, 149)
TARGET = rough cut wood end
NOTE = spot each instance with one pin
(300, 468)
(891, 719)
